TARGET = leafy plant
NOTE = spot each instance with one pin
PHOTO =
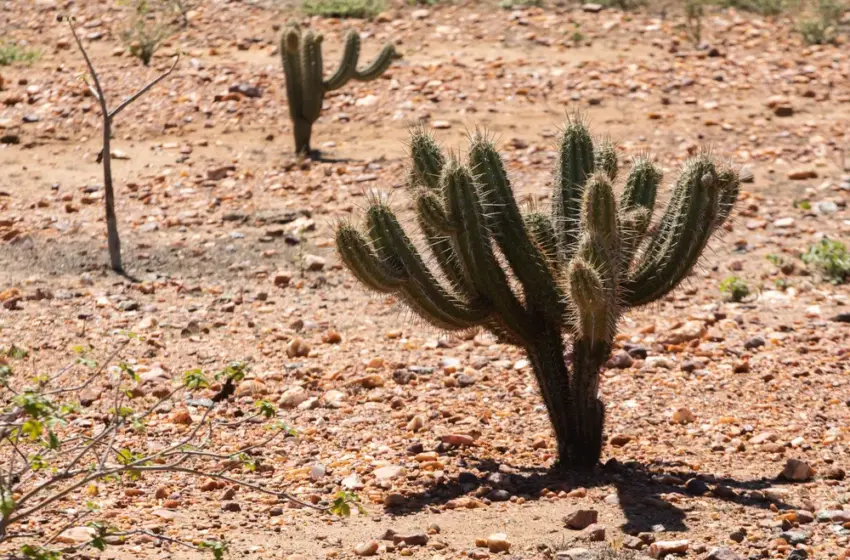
(149, 28)
(830, 258)
(10, 53)
(734, 288)
(360, 9)
(820, 26)
(694, 11)
(305, 86)
(571, 273)
(762, 7)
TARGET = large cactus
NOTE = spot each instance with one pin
(533, 278)
(305, 85)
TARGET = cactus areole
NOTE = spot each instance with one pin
(552, 283)
(305, 86)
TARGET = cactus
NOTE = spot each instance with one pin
(570, 274)
(305, 85)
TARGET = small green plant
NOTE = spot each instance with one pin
(305, 85)
(359, 9)
(10, 53)
(830, 258)
(150, 26)
(625, 5)
(514, 4)
(762, 7)
(694, 11)
(820, 25)
(734, 288)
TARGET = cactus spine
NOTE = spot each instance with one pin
(305, 85)
(569, 274)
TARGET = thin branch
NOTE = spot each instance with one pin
(100, 96)
(144, 90)
(152, 535)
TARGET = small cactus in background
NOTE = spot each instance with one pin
(534, 279)
(305, 85)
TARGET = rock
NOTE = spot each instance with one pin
(333, 398)
(696, 487)
(416, 423)
(297, 348)
(352, 482)
(660, 549)
(619, 440)
(620, 360)
(412, 539)
(314, 263)
(441, 125)
(464, 380)
(797, 471)
(691, 330)
(795, 537)
(798, 554)
(834, 515)
(498, 542)
(317, 472)
(458, 440)
(738, 536)
(804, 517)
(76, 535)
(636, 351)
(499, 495)
(371, 381)
(246, 90)
(581, 519)
(394, 500)
(754, 342)
(368, 548)
(420, 14)
(801, 174)
(231, 506)
(282, 279)
(783, 223)
(723, 554)
(592, 7)
(293, 397)
(385, 474)
(594, 533)
(574, 554)
(835, 473)
(683, 416)
(181, 417)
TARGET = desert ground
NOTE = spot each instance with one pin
(229, 255)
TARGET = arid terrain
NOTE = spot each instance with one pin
(228, 247)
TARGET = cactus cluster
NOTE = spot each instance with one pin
(537, 279)
(305, 83)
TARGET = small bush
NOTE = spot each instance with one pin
(820, 25)
(150, 26)
(734, 288)
(361, 9)
(830, 258)
(762, 7)
(512, 4)
(694, 11)
(11, 53)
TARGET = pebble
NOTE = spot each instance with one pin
(754, 342)
(594, 533)
(441, 125)
(659, 549)
(683, 416)
(797, 471)
(802, 174)
(314, 263)
(581, 519)
(696, 487)
(691, 330)
(389, 472)
(368, 548)
(498, 542)
(297, 348)
(574, 554)
(619, 440)
(416, 423)
(723, 554)
(620, 360)
(412, 539)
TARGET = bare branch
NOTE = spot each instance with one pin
(99, 90)
(144, 90)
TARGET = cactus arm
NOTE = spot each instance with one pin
(476, 252)
(363, 263)
(428, 160)
(605, 158)
(575, 164)
(542, 232)
(348, 64)
(422, 287)
(641, 186)
(378, 66)
(696, 211)
(311, 71)
(508, 229)
(289, 45)
(730, 188)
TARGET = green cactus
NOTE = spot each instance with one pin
(305, 84)
(571, 274)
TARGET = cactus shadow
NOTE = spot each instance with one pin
(649, 495)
